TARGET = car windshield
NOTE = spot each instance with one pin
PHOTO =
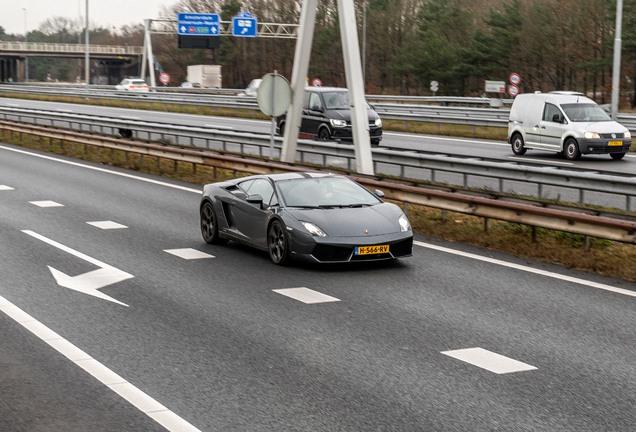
(325, 192)
(585, 113)
(338, 100)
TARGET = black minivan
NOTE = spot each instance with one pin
(326, 116)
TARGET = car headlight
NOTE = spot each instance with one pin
(627, 134)
(378, 122)
(590, 135)
(404, 223)
(338, 123)
(313, 229)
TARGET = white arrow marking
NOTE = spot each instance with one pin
(183, 29)
(244, 30)
(87, 283)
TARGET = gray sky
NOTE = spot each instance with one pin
(105, 13)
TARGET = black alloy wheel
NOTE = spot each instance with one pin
(517, 145)
(209, 226)
(277, 243)
(323, 134)
(572, 151)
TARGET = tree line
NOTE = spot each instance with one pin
(552, 45)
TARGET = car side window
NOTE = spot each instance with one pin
(265, 189)
(549, 112)
(315, 104)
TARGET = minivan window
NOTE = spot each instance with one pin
(585, 113)
(336, 100)
(314, 102)
(550, 111)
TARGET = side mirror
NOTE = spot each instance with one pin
(255, 199)
(316, 108)
(557, 118)
(378, 193)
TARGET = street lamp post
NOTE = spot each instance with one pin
(26, 58)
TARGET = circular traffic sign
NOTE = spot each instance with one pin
(515, 79)
(316, 82)
(274, 95)
(513, 90)
(164, 78)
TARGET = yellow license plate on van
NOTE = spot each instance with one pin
(615, 143)
(368, 250)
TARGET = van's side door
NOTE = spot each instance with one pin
(551, 130)
(531, 119)
(313, 114)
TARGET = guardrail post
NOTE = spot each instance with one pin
(406, 209)
(465, 181)
(581, 197)
(444, 216)
(501, 185)
(406, 124)
(534, 234)
(539, 190)
(486, 224)
(628, 204)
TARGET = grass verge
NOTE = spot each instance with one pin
(604, 257)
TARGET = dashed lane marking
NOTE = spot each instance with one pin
(46, 204)
(107, 225)
(529, 269)
(6, 188)
(306, 295)
(188, 253)
(489, 360)
(148, 405)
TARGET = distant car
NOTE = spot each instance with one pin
(133, 85)
(252, 88)
(315, 217)
(326, 116)
(188, 84)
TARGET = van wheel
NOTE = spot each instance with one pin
(517, 145)
(572, 151)
(323, 134)
(281, 129)
(617, 156)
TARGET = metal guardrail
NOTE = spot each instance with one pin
(588, 224)
(439, 114)
(401, 164)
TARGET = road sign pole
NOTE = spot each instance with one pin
(271, 141)
(616, 72)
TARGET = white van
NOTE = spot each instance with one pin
(565, 122)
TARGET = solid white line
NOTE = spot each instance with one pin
(521, 159)
(130, 117)
(441, 138)
(116, 383)
(219, 127)
(306, 295)
(529, 269)
(157, 182)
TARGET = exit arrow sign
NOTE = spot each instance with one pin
(90, 282)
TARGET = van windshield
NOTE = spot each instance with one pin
(338, 100)
(585, 113)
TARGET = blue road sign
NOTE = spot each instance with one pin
(193, 24)
(245, 27)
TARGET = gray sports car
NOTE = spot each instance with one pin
(313, 217)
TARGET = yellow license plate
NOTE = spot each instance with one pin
(368, 250)
(615, 143)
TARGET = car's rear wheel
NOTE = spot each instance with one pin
(572, 151)
(617, 156)
(517, 145)
(323, 134)
(209, 225)
(277, 243)
(125, 133)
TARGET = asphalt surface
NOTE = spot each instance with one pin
(217, 347)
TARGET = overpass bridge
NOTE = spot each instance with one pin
(12, 55)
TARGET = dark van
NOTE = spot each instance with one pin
(326, 116)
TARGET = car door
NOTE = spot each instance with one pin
(551, 131)
(312, 115)
(251, 218)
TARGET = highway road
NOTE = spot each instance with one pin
(117, 316)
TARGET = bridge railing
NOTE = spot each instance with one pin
(69, 48)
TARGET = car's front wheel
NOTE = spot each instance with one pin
(209, 225)
(277, 243)
(572, 151)
(323, 134)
